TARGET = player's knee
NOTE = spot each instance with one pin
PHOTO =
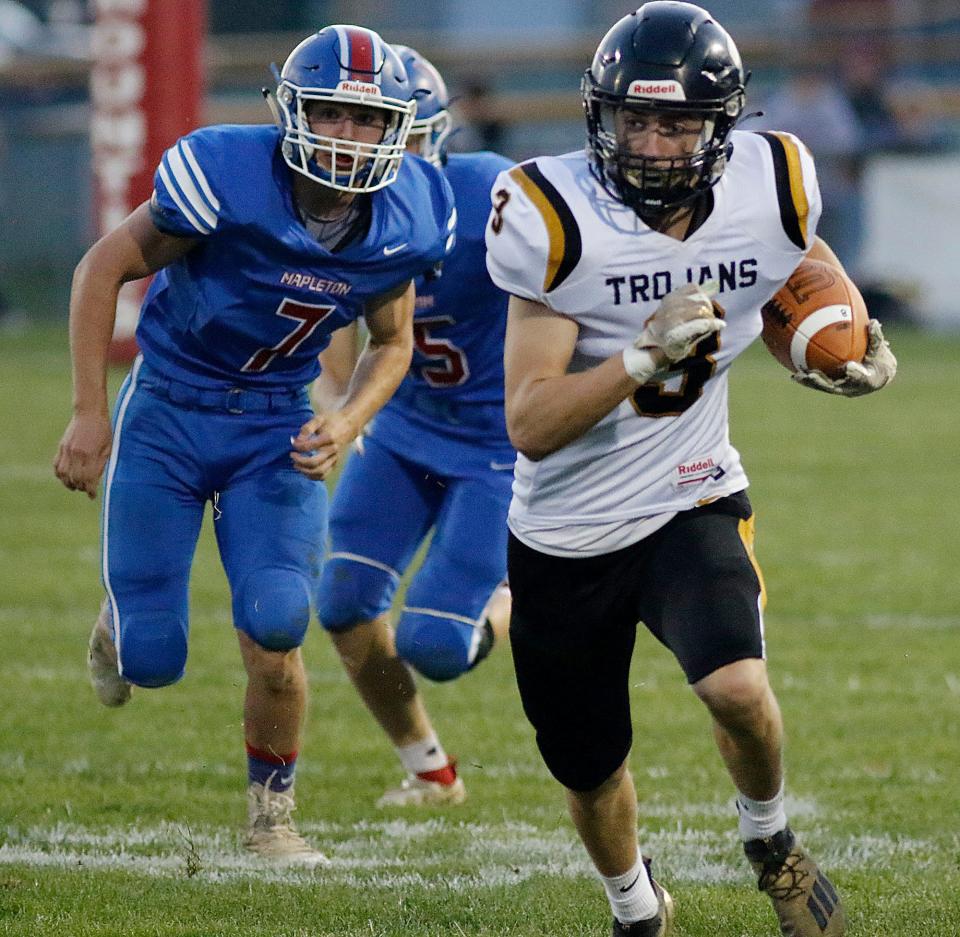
(351, 592)
(583, 768)
(439, 648)
(737, 694)
(273, 608)
(153, 648)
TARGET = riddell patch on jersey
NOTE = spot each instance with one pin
(662, 90)
(358, 87)
(696, 471)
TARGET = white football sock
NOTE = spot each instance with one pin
(631, 895)
(425, 755)
(760, 819)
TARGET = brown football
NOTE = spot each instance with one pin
(816, 321)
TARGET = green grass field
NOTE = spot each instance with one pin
(129, 822)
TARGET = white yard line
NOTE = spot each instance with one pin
(386, 853)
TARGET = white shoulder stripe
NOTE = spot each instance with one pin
(199, 176)
(175, 195)
(188, 190)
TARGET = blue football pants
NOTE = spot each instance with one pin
(383, 508)
(169, 459)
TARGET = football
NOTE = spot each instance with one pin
(816, 321)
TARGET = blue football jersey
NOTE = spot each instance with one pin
(454, 388)
(255, 301)
(461, 316)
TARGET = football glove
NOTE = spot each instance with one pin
(683, 318)
(878, 368)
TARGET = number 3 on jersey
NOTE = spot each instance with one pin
(307, 318)
(654, 399)
(447, 365)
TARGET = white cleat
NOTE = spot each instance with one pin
(416, 792)
(110, 687)
(271, 834)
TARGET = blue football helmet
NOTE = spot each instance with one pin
(346, 65)
(433, 123)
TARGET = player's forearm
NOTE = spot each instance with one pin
(546, 414)
(379, 371)
(93, 308)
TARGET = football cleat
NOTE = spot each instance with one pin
(660, 925)
(485, 644)
(803, 898)
(271, 834)
(415, 791)
(110, 687)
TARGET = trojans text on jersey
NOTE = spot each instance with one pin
(644, 287)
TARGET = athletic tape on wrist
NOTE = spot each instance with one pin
(639, 363)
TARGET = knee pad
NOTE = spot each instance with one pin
(438, 646)
(153, 648)
(352, 591)
(273, 608)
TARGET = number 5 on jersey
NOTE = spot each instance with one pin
(448, 364)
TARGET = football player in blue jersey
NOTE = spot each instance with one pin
(437, 457)
(264, 241)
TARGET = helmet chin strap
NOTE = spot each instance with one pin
(665, 216)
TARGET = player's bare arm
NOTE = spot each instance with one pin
(821, 250)
(547, 408)
(337, 364)
(879, 365)
(379, 370)
(132, 251)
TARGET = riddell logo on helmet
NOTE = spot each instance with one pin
(663, 90)
(358, 87)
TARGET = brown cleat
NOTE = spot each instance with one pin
(110, 687)
(661, 925)
(805, 901)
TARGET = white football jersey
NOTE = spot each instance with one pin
(557, 237)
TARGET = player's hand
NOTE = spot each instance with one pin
(878, 368)
(321, 442)
(83, 452)
(684, 317)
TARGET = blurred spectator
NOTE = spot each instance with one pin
(20, 30)
(864, 71)
(894, 113)
(478, 125)
(64, 33)
(812, 106)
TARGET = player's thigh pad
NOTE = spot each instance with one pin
(382, 509)
(270, 529)
(151, 520)
(439, 628)
(703, 592)
(572, 638)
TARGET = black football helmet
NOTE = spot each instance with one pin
(665, 57)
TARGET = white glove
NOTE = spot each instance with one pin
(878, 368)
(685, 317)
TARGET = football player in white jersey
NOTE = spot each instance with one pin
(638, 269)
